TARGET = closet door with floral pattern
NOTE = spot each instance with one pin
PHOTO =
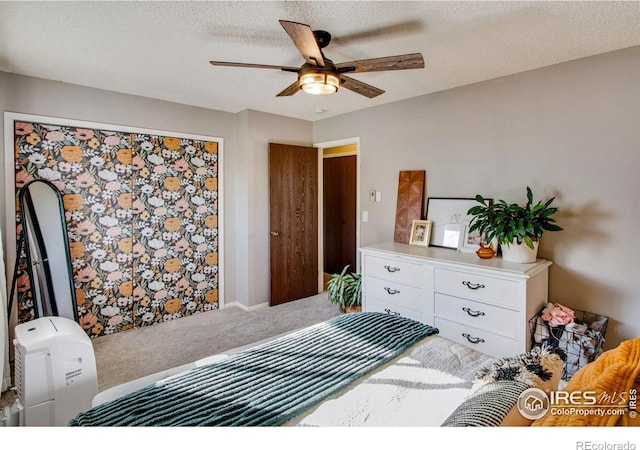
(142, 217)
(92, 170)
(176, 228)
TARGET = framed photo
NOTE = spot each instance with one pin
(420, 233)
(449, 216)
(470, 242)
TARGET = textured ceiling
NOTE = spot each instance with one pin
(161, 49)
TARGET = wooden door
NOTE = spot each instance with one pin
(339, 213)
(293, 221)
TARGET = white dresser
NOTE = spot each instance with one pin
(482, 303)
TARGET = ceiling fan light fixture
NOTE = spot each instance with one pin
(319, 75)
(319, 82)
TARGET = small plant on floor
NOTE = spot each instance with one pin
(345, 290)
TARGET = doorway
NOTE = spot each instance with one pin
(339, 209)
(310, 203)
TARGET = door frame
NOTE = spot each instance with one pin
(321, 146)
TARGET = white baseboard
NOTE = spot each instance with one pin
(246, 308)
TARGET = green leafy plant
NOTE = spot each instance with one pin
(345, 289)
(509, 221)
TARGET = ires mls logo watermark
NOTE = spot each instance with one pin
(534, 403)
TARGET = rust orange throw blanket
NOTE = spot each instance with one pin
(615, 372)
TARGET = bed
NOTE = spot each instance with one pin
(358, 369)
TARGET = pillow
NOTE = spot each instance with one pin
(488, 406)
(495, 396)
(541, 368)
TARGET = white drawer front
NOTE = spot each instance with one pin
(394, 269)
(394, 293)
(486, 317)
(375, 305)
(483, 341)
(478, 287)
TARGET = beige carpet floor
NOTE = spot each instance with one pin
(138, 352)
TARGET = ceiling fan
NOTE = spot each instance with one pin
(319, 75)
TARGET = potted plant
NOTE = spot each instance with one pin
(345, 290)
(517, 228)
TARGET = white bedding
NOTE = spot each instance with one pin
(422, 387)
(404, 394)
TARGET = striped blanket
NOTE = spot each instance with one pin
(267, 384)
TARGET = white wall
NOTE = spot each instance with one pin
(571, 130)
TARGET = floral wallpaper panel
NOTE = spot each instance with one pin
(141, 214)
(176, 228)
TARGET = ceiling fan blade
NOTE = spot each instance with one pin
(398, 62)
(254, 66)
(302, 36)
(290, 90)
(359, 87)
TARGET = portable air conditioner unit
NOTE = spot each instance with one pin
(55, 371)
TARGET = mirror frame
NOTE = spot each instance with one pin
(26, 205)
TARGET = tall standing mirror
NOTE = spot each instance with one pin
(45, 242)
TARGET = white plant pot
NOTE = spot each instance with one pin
(519, 253)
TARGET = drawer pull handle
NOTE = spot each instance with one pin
(473, 340)
(473, 286)
(472, 313)
(391, 291)
(392, 269)
(393, 313)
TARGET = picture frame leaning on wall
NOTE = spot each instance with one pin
(420, 233)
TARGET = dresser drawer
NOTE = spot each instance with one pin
(375, 305)
(481, 340)
(479, 315)
(478, 287)
(394, 269)
(394, 293)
